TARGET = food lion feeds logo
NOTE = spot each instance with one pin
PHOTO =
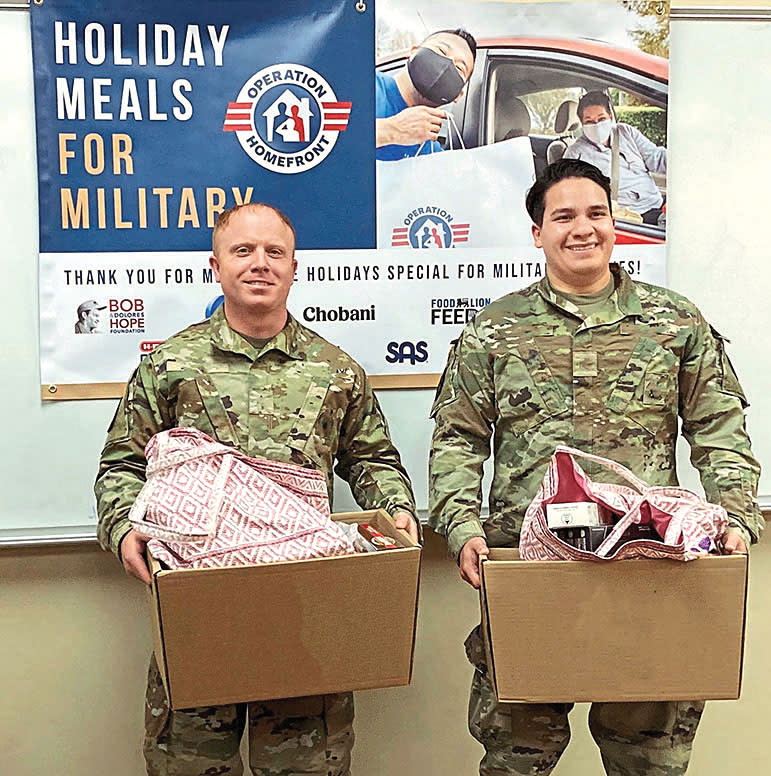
(287, 118)
(429, 227)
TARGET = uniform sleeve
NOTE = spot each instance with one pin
(464, 412)
(712, 407)
(367, 459)
(655, 157)
(142, 412)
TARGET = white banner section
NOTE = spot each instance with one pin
(394, 310)
(469, 198)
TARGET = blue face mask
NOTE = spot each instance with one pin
(434, 76)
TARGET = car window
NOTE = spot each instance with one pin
(515, 83)
(527, 95)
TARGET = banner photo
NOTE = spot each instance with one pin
(154, 118)
(586, 79)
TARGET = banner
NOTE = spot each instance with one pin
(154, 118)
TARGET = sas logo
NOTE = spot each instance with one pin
(399, 352)
(287, 118)
(429, 227)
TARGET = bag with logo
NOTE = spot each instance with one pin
(454, 198)
(686, 526)
(205, 504)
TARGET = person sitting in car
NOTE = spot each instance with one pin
(637, 156)
(407, 113)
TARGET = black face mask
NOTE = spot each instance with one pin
(434, 76)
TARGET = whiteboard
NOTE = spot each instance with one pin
(719, 256)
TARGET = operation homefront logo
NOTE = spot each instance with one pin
(429, 227)
(287, 118)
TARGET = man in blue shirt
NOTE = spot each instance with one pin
(407, 111)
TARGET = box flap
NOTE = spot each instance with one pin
(156, 619)
(383, 522)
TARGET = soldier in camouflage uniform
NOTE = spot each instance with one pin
(588, 358)
(254, 378)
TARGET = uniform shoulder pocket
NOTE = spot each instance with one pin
(446, 390)
(729, 381)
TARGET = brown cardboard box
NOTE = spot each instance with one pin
(289, 629)
(631, 630)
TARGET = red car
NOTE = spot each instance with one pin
(525, 86)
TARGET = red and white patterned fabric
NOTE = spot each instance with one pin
(688, 525)
(205, 504)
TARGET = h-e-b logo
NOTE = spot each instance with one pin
(399, 352)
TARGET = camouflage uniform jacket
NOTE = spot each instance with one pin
(298, 399)
(532, 373)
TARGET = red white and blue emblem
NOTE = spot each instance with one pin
(429, 227)
(287, 118)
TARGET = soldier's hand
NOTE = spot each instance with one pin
(410, 126)
(733, 542)
(406, 522)
(471, 558)
(132, 553)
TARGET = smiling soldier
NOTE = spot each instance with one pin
(253, 378)
(591, 359)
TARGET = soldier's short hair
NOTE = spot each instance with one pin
(226, 215)
(559, 171)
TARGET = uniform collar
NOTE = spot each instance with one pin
(291, 340)
(623, 303)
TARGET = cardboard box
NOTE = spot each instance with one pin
(284, 630)
(631, 630)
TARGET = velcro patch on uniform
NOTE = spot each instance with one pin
(585, 364)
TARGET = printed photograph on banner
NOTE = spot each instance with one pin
(474, 99)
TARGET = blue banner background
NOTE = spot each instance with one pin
(332, 205)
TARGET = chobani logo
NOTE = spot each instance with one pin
(287, 118)
(429, 227)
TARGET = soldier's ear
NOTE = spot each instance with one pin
(537, 235)
(215, 265)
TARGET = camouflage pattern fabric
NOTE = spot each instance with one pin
(635, 739)
(299, 399)
(312, 735)
(532, 373)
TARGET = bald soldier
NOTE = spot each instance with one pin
(254, 378)
(592, 359)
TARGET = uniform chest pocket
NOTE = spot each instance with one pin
(525, 389)
(647, 389)
(199, 405)
(315, 431)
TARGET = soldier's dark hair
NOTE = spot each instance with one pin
(556, 172)
(461, 33)
(593, 98)
(226, 215)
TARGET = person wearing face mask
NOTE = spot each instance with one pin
(407, 106)
(638, 156)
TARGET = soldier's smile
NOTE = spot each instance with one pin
(254, 262)
(576, 235)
